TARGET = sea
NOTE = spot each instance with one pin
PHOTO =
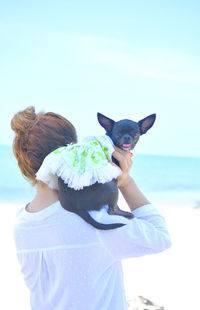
(155, 174)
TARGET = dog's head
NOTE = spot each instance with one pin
(126, 133)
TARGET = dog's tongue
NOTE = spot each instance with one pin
(126, 145)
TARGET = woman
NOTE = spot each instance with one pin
(67, 263)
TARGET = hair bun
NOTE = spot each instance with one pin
(23, 120)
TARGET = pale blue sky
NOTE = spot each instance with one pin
(125, 59)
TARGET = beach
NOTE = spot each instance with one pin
(169, 279)
(14, 294)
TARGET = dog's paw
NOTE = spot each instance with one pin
(128, 215)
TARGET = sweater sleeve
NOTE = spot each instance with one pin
(146, 233)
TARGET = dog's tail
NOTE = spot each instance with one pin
(87, 217)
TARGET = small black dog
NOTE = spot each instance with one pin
(124, 134)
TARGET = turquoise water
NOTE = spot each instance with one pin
(153, 173)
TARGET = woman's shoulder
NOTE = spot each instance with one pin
(25, 214)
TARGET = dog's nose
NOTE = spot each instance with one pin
(126, 138)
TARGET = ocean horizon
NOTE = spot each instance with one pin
(152, 173)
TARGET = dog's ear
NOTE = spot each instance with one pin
(146, 123)
(105, 122)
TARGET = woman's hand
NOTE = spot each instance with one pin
(125, 162)
(132, 194)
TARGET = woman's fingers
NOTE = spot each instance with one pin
(124, 159)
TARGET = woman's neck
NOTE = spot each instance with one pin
(45, 196)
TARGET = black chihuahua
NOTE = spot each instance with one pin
(124, 134)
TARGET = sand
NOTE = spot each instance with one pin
(14, 294)
(170, 279)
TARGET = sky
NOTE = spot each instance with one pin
(124, 59)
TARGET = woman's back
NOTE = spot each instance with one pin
(68, 264)
(65, 263)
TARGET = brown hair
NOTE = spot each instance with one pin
(37, 135)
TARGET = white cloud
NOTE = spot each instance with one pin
(44, 48)
(161, 66)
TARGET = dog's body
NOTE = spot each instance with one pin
(124, 134)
